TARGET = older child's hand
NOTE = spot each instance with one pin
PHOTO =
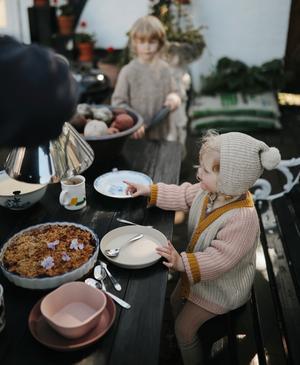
(174, 260)
(137, 189)
(139, 133)
(172, 101)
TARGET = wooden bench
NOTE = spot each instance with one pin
(265, 330)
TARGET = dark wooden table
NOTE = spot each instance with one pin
(135, 335)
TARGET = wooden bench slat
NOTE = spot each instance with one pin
(285, 301)
(289, 232)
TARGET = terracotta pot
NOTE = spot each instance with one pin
(65, 24)
(86, 51)
(40, 3)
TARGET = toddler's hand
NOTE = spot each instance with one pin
(174, 259)
(137, 189)
(172, 101)
(139, 133)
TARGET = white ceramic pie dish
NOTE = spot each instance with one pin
(54, 281)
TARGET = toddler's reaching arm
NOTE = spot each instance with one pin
(137, 189)
(166, 196)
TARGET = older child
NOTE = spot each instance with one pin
(146, 83)
(218, 267)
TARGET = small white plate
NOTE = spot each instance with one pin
(112, 183)
(135, 255)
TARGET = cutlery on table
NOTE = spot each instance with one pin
(116, 285)
(121, 220)
(114, 252)
(94, 283)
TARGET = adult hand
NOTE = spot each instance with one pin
(137, 189)
(172, 101)
(139, 133)
(174, 260)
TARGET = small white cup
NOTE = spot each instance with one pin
(73, 196)
(2, 309)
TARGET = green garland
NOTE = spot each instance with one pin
(235, 76)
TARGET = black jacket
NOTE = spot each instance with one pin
(37, 94)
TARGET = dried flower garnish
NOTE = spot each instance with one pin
(75, 245)
(53, 244)
(65, 257)
(48, 262)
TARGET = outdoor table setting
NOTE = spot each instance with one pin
(130, 274)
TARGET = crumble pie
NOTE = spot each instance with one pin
(48, 251)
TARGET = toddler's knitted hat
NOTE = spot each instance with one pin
(242, 161)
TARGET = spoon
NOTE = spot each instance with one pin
(95, 284)
(121, 220)
(114, 252)
(116, 285)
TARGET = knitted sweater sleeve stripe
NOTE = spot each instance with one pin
(174, 197)
(232, 242)
(194, 267)
(153, 194)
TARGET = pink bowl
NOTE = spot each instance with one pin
(73, 309)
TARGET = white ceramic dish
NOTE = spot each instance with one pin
(112, 183)
(135, 255)
(54, 281)
(18, 195)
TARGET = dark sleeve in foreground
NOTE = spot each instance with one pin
(37, 94)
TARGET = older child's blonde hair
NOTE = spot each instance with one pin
(147, 28)
(210, 142)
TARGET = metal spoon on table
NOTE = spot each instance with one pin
(125, 221)
(94, 283)
(114, 252)
(103, 264)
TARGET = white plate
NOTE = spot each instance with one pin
(54, 281)
(112, 183)
(135, 255)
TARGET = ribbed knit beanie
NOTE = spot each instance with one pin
(242, 161)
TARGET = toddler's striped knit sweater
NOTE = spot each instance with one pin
(220, 258)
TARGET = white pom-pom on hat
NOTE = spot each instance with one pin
(270, 158)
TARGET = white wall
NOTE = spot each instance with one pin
(111, 19)
(253, 31)
(16, 19)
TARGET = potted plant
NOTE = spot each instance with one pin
(182, 36)
(84, 42)
(65, 19)
(40, 3)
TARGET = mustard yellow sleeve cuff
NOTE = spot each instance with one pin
(153, 194)
(194, 267)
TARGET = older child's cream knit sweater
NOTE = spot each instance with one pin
(220, 258)
(144, 87)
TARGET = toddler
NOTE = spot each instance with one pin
(146, 83)
(218, 267)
